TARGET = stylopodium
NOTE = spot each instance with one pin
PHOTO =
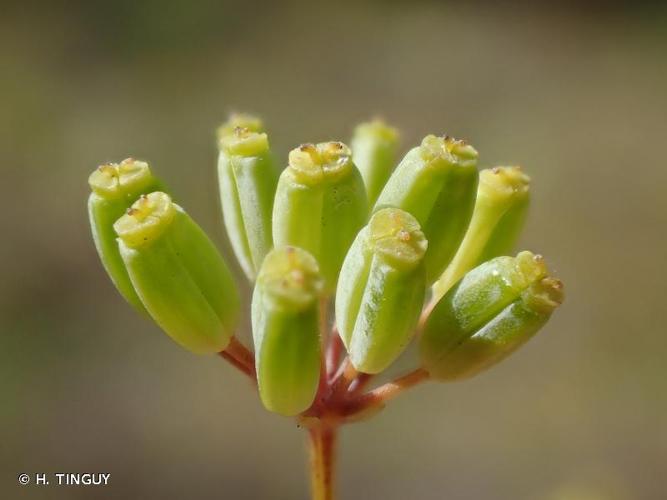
(347, 255)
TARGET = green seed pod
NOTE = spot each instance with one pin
(381, 290)
(320, 205)
(178, 273)
(489, 314)
(247, 185)
(437, 183)
(374, 146)
(500, 208)
(285, 328)
(114, 188)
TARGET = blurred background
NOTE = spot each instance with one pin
(576, 93)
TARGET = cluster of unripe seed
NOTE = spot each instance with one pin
(416, 250)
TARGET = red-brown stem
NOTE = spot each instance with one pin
(359, 383)
(344, 377)
(241, 357)
(322, 450)
(338, 398)
(391, 389)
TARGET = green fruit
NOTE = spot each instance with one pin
(285, 328)
(381, 290)
(247, 186)
(179, 275)
(114, 188)
(489, 314)
(436, 182)
(320, 205)
(500, 209)
(374, 146)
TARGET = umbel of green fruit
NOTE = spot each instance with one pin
(320, 205)
(381, 289)
(247, 184)
(177, 272)
(436, 182)
(285, 328)
(489, 314)
(115, 186)
(500, 209)
(309, 239)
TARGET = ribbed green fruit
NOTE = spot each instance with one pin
(178, 274)
(115, 186)
(381, 290)
(320, 205)
(374, 147)
(500, 209)
(489, 314)
(437, 183)
(247, 179)
(285, 326)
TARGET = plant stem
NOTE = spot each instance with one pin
(322, 452)
(359, 383)
(344, 377)
(392, 389)
(240, 357)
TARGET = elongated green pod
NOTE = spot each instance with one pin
(381, 290)
(115, 186)
(437, 183)
(502, 200)
(285, 328)
(374, 145)
(247, 181)
(489, 314)
(320, 205)
(181, 278)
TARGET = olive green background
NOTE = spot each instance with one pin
(577, 94)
